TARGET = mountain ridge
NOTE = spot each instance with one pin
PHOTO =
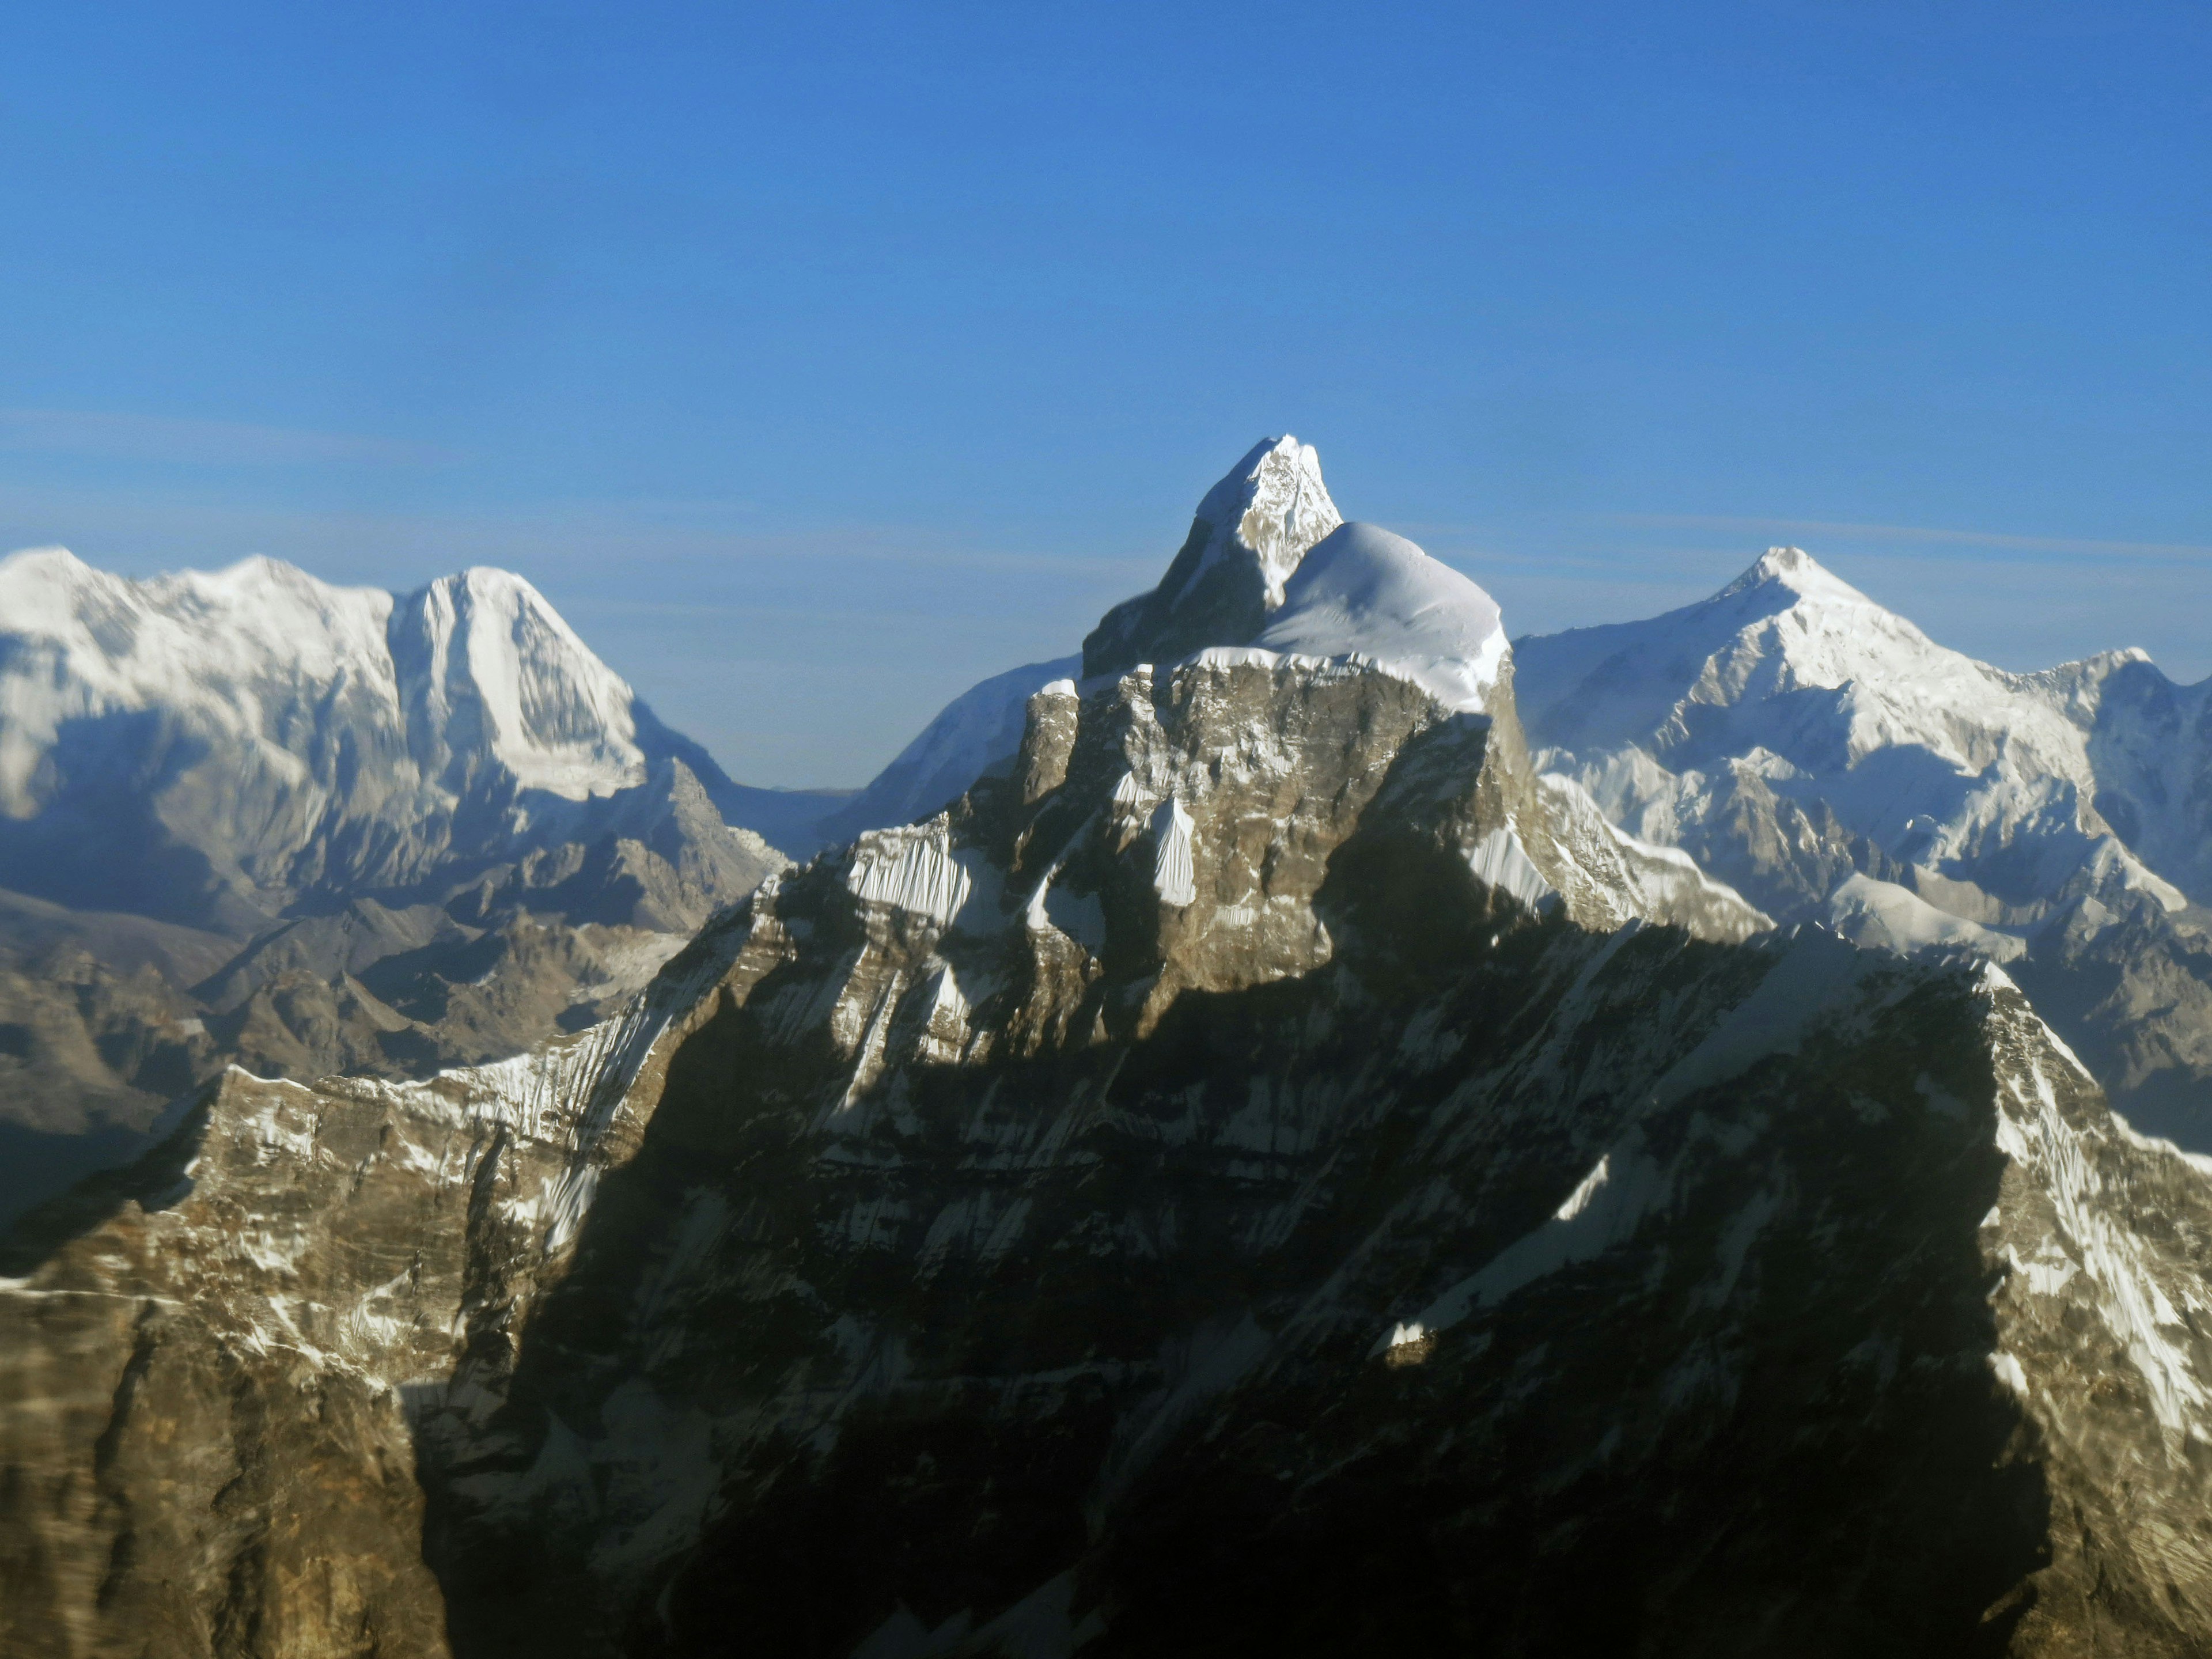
(1265, 1170)
(1830, 760)
(410, 830)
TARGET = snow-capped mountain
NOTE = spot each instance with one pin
(1231, 1183)
(216, 748)
(1269, 569)
(1829, 760)
(1248, 536)
(362, 831)
(1249, 533)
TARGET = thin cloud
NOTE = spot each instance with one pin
(141, 528)
(1815, 528)
(112, 435)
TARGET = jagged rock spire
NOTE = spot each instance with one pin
(1249, 535)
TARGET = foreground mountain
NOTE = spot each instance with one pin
(1265, 1172)
(1827, 758)
(248, 815)
(1251, 530)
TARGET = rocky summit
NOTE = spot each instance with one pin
(1266, 1170)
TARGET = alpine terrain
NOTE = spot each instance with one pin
(1265, 1169)
(247, 817)
(1831, 762)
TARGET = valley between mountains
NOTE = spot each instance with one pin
(1306, 1125)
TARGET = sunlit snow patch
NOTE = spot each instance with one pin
(1499, 860)
(912, 869)
(1172, 877)
(1884, 914)
(1363, 593)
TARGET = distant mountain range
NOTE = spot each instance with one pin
(249, 816)
(1831, 762)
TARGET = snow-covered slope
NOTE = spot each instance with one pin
(2150, 749)
(1790, 676)
(214, 747)
(1363, 593)
(1269, 567)
(1246, 541)
(1829, 760)
(475, 669)
(406, 831)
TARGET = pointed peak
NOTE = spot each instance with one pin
(1249, 532)
(1272, 505)
(1794, 570)
(491, 579)
(488, 585)
(46, 590)
(45, 564)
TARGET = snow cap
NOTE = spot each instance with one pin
(1271, 507)
(1364, 591)
(1798, 571)
(1249, 532)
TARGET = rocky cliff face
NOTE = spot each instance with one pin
(208, 1367)
(1227, 1185)
(1265, 1172)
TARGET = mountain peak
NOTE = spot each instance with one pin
(47, 563)
(42, 589)
(1272, 507)
(487, 580)
(1794, 568)
(261, 567)
(1250, 532)
(484, 650)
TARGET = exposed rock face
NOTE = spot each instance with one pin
(979, 728)
(203, 1410)
(1827, 759)
(1250, 534)
(979, 1246)
(1265, 1171)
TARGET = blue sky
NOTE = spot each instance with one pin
(818, 361)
